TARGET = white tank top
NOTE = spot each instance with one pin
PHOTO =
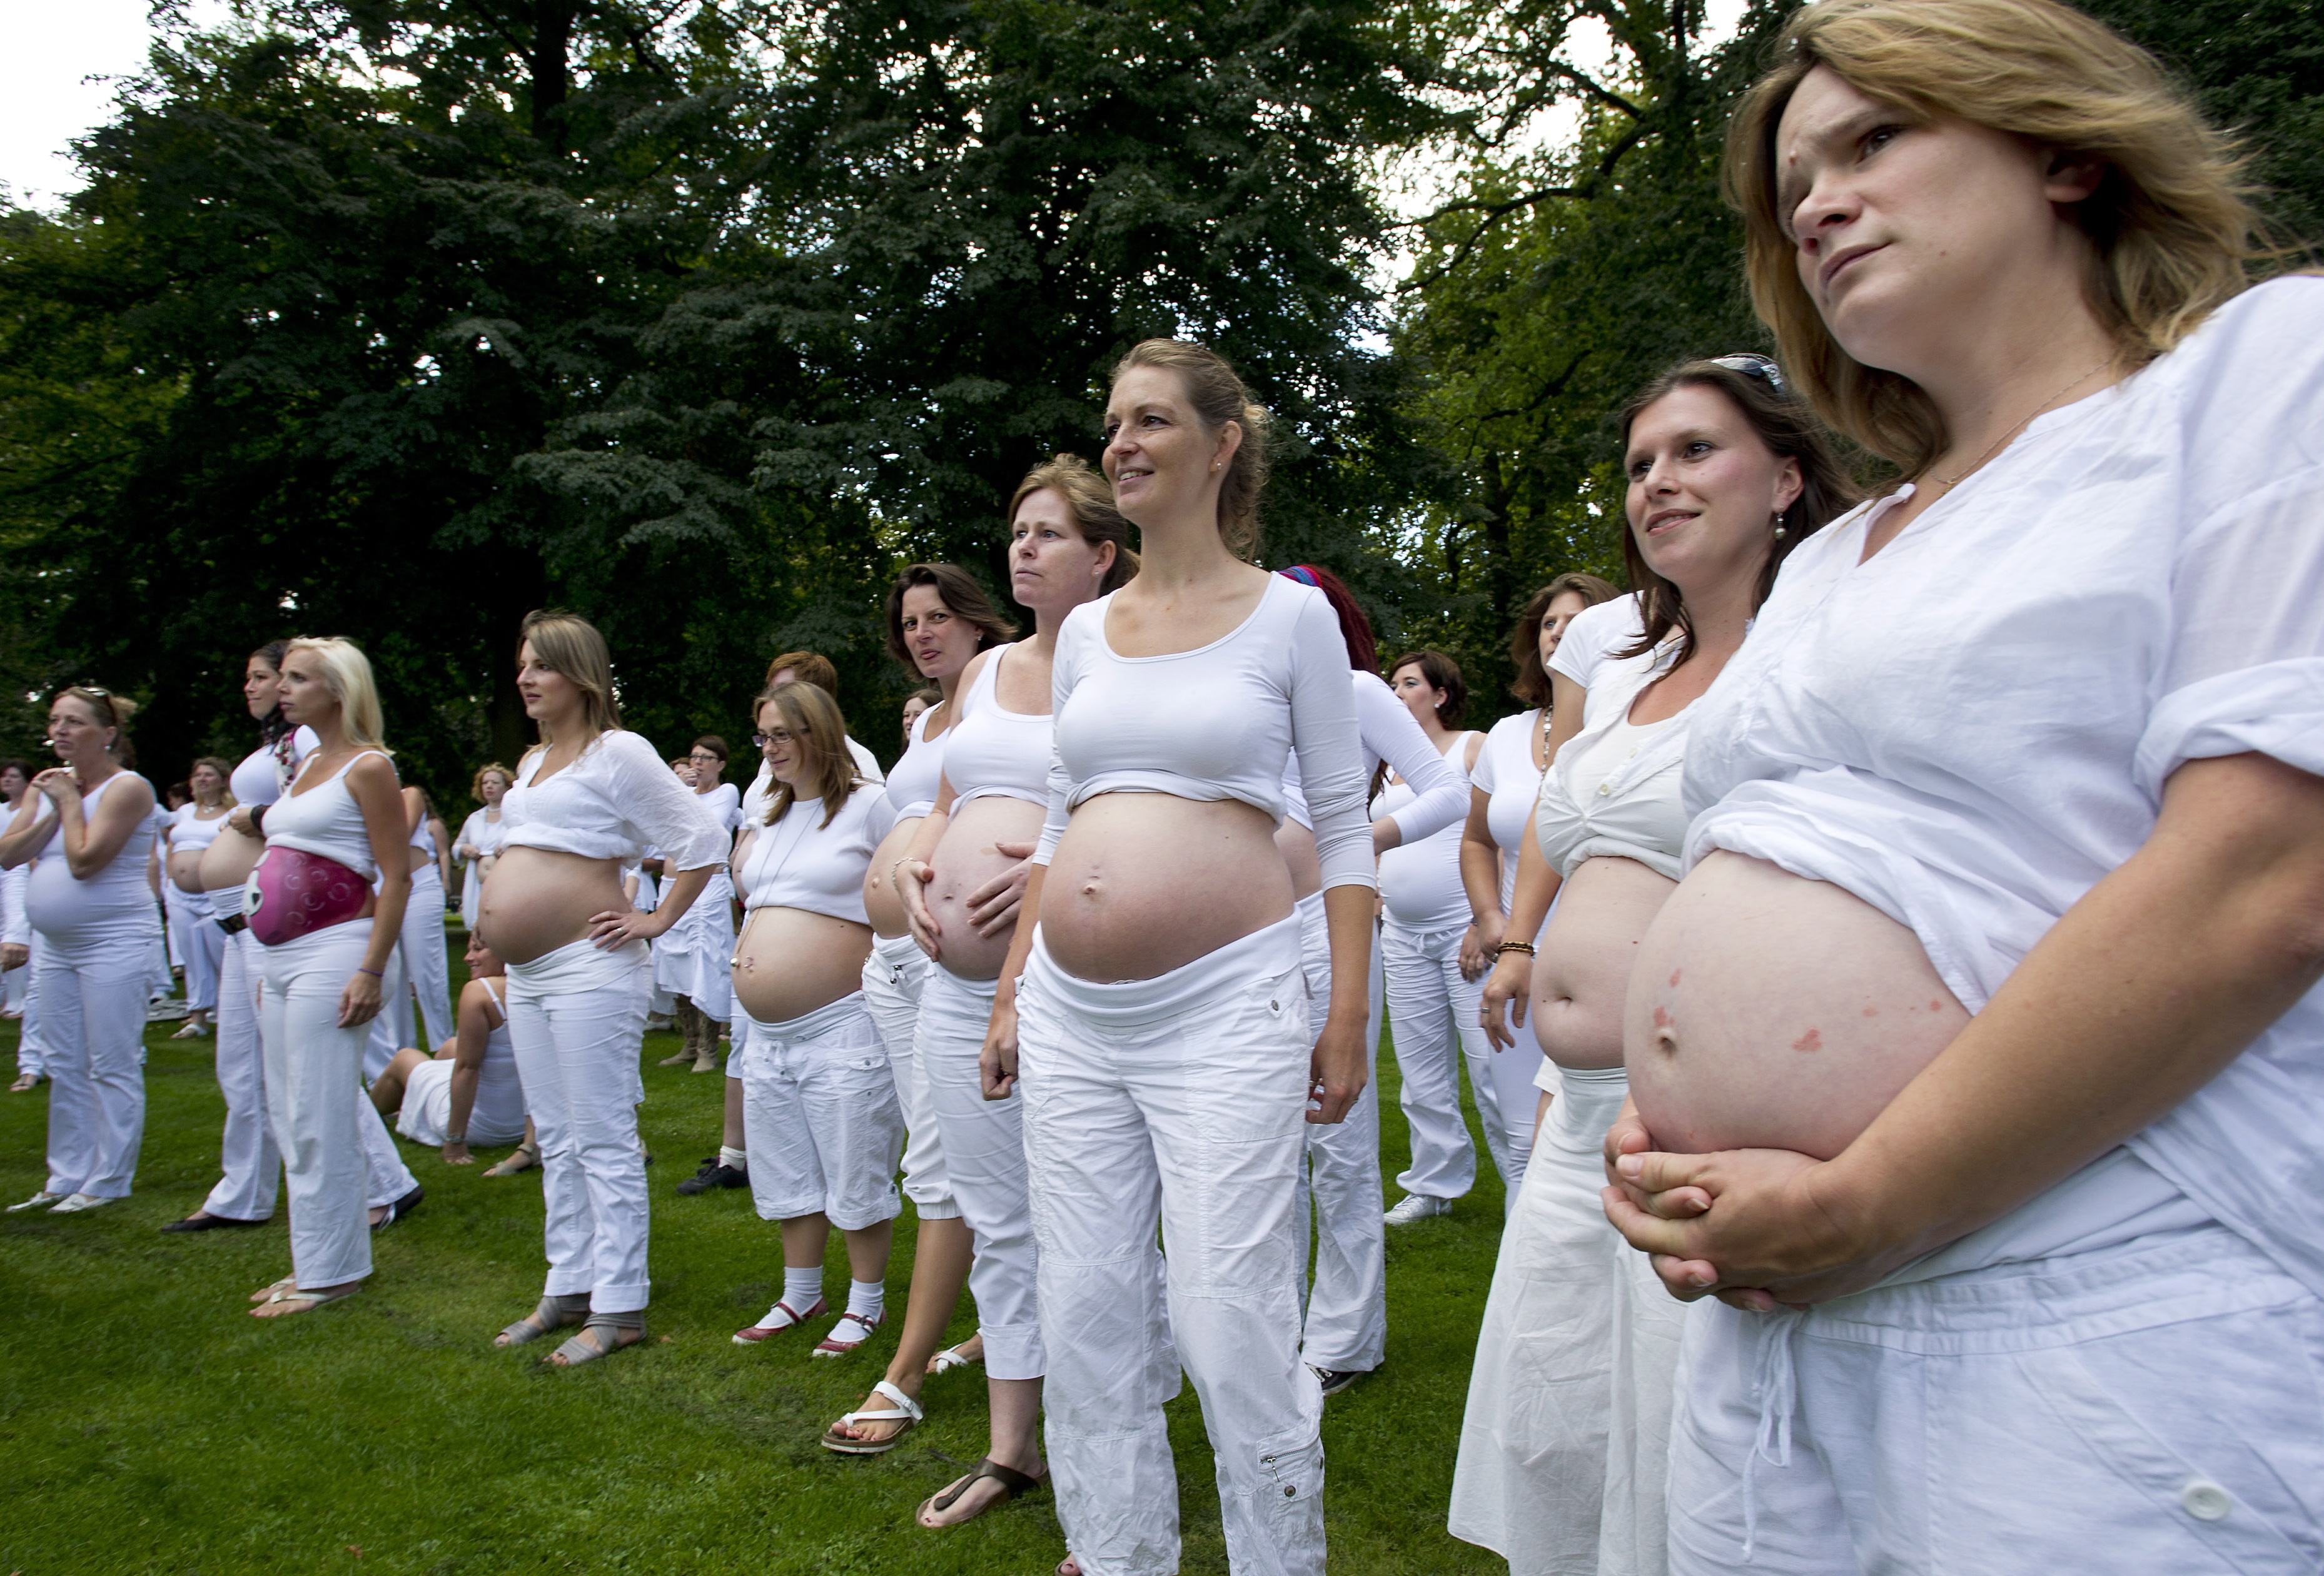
(1420, 882)
(325, 821)
(190, 834)
(113, 903)
(266, 770)
(995, 754)
(912, 786)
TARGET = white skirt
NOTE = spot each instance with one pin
(496, 1118)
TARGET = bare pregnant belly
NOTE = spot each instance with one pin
(880, 903)
(1768, 1011)
(186, 871)
(790, 962)
(965, 861)
(536, 901)
(228, 860)
(1144, 884)
(1587, 954)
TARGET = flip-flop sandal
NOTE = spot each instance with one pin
(831, 1345)
(905, 1411)
(1014, 1485)
(509, 1167)
(290, 1294)
(949, 1358)
(267, 1294)
(576, 1351)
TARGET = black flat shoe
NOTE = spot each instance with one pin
(715, 1173)
(208, 1223)
(399, 1208)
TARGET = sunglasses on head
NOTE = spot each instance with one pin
(1754, 366)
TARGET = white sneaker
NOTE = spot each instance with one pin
(1417, 1206)
(39, 1201)
(80, 1202)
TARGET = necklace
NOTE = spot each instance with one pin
(1950, 482)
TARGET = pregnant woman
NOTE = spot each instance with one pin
(1167, 1062)
(192, 829)
(1977, 1061)
(588, 798)
(481, 835)
(88, 827)
(1569, 1404)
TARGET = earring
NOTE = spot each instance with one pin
(1781, 530)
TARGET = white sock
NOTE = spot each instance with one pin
(802, 1288)
(867, 1298)
(733, 1159)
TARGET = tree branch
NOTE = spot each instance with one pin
(1496, 212)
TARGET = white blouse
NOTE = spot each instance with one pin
(1971, 729)
(615, 801)
(1613, 790)
(1217, 723)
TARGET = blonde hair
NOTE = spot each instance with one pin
(1218, 397)
(1090, 500)
(812, 718)
(476, 783)
(2170, 224)
(346, 674)
(569, 645)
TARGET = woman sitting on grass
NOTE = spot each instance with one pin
(468, 1090)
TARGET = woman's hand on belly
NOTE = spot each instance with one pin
(979, 869)
(993, 907)
(535, 901)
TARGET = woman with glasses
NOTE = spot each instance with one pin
(87, 828)
(1569, 1404)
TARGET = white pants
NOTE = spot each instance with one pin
(820, 1121)
(427, 970)
(31, 1048)
(1563, 1444)
(1432, 1012)
(202, 946)
(91, 996)
(249, 1165)
(173, 923)
(985, 1153)
(1178, 1101)
(1346, 1327)
(2155, 1406)
(893, 976)
(313, 1081)
(576, 1018)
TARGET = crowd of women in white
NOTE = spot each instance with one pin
(1915, 901)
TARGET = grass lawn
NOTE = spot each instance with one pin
(147, 1425)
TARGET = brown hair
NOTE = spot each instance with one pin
(812, 718)
(2170, 224)
(956, 588)
(1532, 684)
(569, 645)
(476, 783)
(716, 746)
(1438, 671)
(806, 667)
(1087, 494)
(1790, 430)
(1218, 397)
(110, 711)
(225, 770)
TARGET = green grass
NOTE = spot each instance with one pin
(147, 1425)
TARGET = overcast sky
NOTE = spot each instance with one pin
(50, 49)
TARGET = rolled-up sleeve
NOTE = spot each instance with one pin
(662, 812)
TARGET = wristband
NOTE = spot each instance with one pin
(375, 973)
(1524, 946)
(258, 819)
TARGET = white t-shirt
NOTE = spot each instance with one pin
(1593, 637)
(1505, 775)
(1420, 882)
(800, 863)
(1972, 729)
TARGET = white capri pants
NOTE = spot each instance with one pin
(820, 1121)
(313, 1066)
(1432, 1012)
(1178, 1101)
(1347, 1306)
(1563, 1442)
(893, 976)
(2152, 1407)
(202, 945)
(984, 1152)
(91, 998)
(249, 1165)
(576, 1018)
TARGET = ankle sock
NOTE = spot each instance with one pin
(733, 1159)
(867, 1299)
(802, 1288)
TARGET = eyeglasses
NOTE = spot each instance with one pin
(1754, 366)
(761, 740)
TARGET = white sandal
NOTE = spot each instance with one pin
(290, 1294)
(949, 1358)
(906, 1411)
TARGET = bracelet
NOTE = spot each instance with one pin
(459, 1138)
(375, 973)
(1524, 946)
(258, 819)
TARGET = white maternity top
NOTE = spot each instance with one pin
(1420, 882)
(1506, 775)
(190, 834)
(993, 752)
(800, 863)
(114, 903)
(616, 800)
(1613, 790)
(1217, 723)
(911, 789)
(326, 820)
(266, 770)
(1594, 636)
(1973, 727)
